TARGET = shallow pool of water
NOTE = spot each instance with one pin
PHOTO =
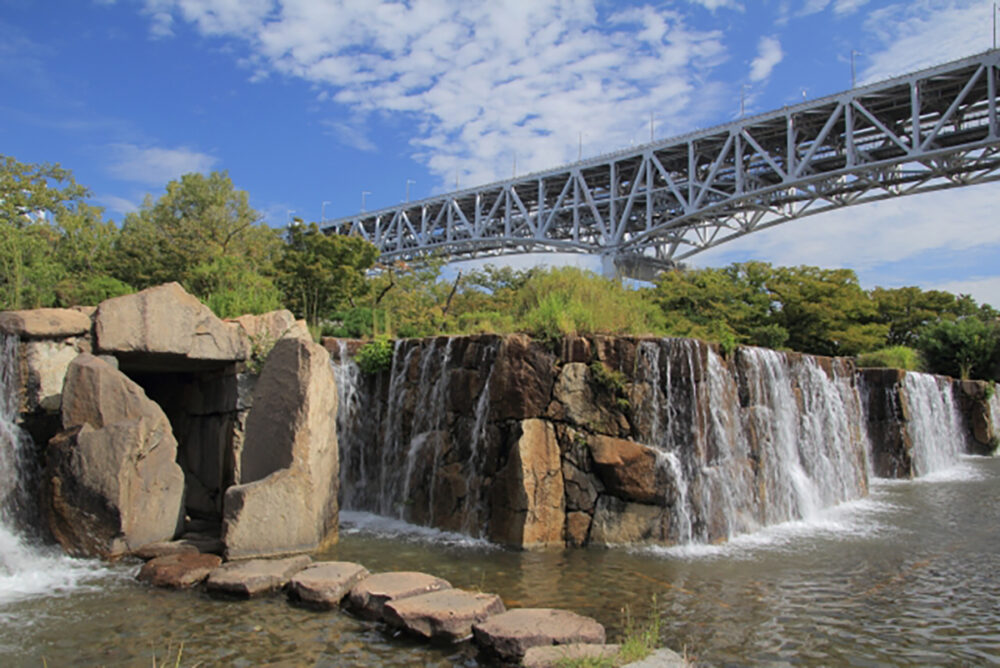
(909, 576)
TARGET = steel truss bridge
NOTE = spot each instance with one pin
(651, 206)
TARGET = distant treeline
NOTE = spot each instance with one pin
(56, 249)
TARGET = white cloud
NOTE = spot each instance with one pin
(155, 166)
(923, 33)
(118, 205)
(350, 134)
(985, 290)
(813, 7)
(844, 7)
(903, 234)
(481, 81)
(769, 54)
(718, 4)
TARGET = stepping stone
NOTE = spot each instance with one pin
(178, 571)
(553, 656)
(368, 597)
(661, 658)
(510, 634)
(324, 585)
(164, 548)
(446, 615)
(256, 576)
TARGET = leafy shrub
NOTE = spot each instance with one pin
(895, 357)
(91, 291)
(375, 356)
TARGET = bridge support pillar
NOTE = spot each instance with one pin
(636, 267)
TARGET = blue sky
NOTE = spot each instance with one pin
(313, 101)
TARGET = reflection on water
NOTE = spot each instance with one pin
(910, 576)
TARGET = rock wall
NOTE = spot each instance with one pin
(111, 487)
(605, 440)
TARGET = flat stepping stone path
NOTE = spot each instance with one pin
(179, 571)
(164, 548)
(552, 656)
(446, 615)
(368, 597)
(255, 576)
(661, 658)
(325, 584)
(511, 634)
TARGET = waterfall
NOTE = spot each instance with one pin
(27, 567)
(762, 439)
(935, 424)
(406, 452)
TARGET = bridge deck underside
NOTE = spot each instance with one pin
(668, 200)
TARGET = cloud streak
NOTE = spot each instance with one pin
(769, 54)
(154, 166)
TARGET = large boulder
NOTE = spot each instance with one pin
(529, 506)
(113, 483)
(165, 326)
(628, 469)
(286, 501)
(45, 323)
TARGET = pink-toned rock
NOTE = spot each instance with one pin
(554, 656)
(442, 615)
(256, 576)
(44, 323)
(325, 584)
(368, 597)
(510, 634)
(179, 571)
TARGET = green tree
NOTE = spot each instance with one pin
(825, 311)
(907, 310)
(320, 273)
(968, 347)
(198, 220)
(43, 220)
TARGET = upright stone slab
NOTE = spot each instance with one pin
(286, 501)
(112, 482)
(529, 508)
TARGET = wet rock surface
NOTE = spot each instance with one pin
(509, 635)
(446, 615)
(179, 571)
(368, 598)
(255, 577)
(324, 585)
(554, 656)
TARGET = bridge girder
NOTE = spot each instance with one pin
(668, 200)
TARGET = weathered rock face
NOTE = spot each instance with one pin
(287, 497)
(975, 398)
(528, 499)
(886, 408)
(45, 323)
(113, 484)
(262, 331)
(164, 328)
(600, 440)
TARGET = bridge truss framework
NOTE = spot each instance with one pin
(660, 203)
